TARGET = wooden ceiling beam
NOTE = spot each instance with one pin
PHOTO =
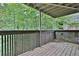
(65, 6)
(55, 9)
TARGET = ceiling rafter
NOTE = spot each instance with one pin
(56, 9)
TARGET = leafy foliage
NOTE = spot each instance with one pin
(15, 16)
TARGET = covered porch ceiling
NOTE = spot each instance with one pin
(56, 9)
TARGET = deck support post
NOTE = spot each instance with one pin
(40, 26)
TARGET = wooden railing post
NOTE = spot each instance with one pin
(2, 45)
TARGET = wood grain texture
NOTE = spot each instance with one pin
(54, 49)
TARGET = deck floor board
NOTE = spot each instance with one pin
(54, 49)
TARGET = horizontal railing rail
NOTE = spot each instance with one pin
(17, 31)
(66, 30)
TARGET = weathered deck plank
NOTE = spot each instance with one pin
(54, 49)
(58, 50)
(61, 51)
(69, 51)
(73, 51)
(77, 51)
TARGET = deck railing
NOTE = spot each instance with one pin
(68, 35)
(19, 41)
(15, 42)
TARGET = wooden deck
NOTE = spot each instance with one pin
(54, 49)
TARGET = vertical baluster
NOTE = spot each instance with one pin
(20, 37)
(12, 45)
(14, 52)
(7, 45)
(15, 45)
(2, 45)
(25, 43)
(22, 43)
(35, 40)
